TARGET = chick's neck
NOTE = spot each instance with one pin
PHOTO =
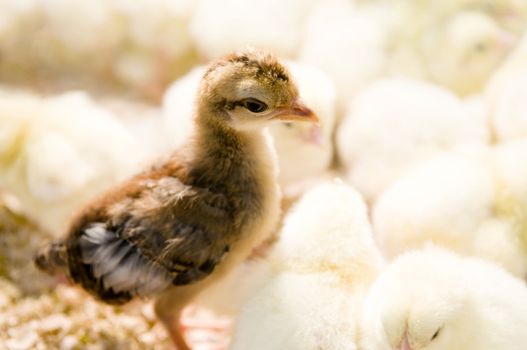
(230, 159)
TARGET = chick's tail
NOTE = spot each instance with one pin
(51, 258)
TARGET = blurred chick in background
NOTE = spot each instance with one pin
(148, 44)
(507, 96)
(509, 108)
(320, 269)
(58, 153)
(145, 44)
(373, 39)
(476, 45)
(395, 123)
(347, 42)
(434, 299)
(474, 203)
(306, 151)
(274, 25)
(156, 45)
(476, 42)
(511, 14)
(179, 106)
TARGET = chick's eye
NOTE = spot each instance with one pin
(436, 334)
(254, 105)
(480, 47)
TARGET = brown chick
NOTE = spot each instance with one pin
(178, 227)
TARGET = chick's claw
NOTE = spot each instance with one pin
(204, 330)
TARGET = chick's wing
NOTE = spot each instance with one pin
(169, 233)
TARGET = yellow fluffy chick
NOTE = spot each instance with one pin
(325, 259)
(398, 122)
(476, 45)
(433, 299)
(474, 204)
(57, 153)
(477, 41)
(506, 94)
(218, 27)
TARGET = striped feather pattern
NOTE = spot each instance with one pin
(120, 265)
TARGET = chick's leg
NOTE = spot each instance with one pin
(168, 307)
(206, 330)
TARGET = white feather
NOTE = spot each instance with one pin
(120, 266)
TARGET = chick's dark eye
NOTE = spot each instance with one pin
(436, 334)
(480, 47)
(254, 105)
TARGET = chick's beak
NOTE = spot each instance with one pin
(297, 111)
(506, 40)
(405, 345)
(314, 135)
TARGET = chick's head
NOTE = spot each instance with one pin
(418, 304)
(476, 35)
(476, 45)
(252, 89)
